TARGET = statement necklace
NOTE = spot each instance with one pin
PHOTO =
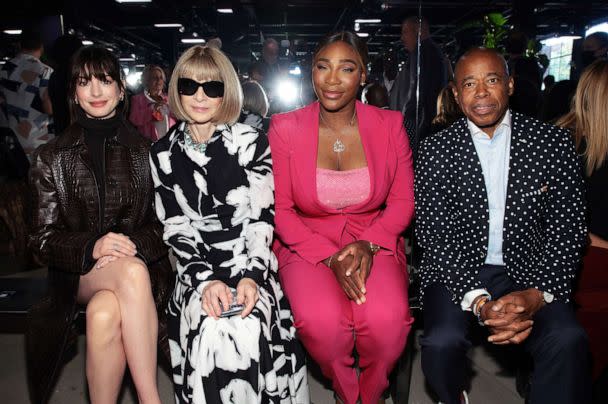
(192, 143)
(338, 147)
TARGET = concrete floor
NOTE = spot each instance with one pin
(490, 383)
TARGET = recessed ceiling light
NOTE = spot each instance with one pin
(193, 40)
(134, 1)
(363, 34)
(225, 10)
(87, 42)
(127, 59)
(369, 20)
(168, 25)
(12, 31)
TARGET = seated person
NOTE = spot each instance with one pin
(502, 232)
(255, 106)
(588, 121)
(149, 110)
(94, 226)
(214, 195)
(344, 195)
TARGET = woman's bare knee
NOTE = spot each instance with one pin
(103, 318)
(135, 278)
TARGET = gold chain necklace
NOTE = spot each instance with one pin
(338, 147)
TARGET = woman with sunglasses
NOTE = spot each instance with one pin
(94, 226)
(214, 195)
(344, 194)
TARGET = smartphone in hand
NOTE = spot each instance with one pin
(234, 308)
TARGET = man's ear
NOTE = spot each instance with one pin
(455, 93)
(511, 85)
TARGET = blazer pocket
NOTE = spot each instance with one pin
(536, 192)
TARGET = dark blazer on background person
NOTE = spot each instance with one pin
(544, 224)
(67, 219)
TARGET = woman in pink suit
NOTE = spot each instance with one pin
(344, 194)
(150, 109)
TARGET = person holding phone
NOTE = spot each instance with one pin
(344, 194)
(214, 194)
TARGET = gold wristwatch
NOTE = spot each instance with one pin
(374, 248)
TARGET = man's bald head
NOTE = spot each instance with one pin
(483, 52)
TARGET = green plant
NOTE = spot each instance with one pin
(495, 30)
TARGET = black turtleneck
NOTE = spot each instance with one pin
(96, 134)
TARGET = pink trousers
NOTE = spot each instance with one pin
(330, 325)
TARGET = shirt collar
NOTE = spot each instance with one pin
(504, 124)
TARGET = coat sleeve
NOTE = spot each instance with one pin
(566, 230)
(50, 240)
(260, 229)
(435, 224)
(178, 232)
(399, 210)
(292, 231)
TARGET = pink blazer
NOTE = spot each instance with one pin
(141, 116)
(311, 231)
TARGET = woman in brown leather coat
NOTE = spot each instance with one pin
(94, 226)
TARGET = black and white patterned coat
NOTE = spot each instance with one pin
(217, 208)
(544, 225)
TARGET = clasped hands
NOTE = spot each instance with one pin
(351, 267)
(509, 318)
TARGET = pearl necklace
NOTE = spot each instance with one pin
(338, 147)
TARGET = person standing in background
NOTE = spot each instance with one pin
(433, 77)
(24, 82)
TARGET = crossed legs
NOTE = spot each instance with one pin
(122, 328)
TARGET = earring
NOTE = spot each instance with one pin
(122, 97)
(76, 101)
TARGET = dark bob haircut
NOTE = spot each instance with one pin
(98, 62)
(349, 38)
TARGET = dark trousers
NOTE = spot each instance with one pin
(558, 345)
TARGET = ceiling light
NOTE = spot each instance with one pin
(12, 31)
(87, 42)
(168, 25)
(127, 59)
(134, 1)
(225, 10)
(193, 40)
(368, 20)
(357, 26)
(363, 34)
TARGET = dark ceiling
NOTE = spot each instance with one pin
(128, 27)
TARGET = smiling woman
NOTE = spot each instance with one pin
(344, 194)
(94, 226)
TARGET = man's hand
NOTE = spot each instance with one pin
(524, 303)
(505, 325)
(509, 318)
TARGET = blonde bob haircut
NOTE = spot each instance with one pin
(204, 63)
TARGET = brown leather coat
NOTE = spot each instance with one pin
(66, 218)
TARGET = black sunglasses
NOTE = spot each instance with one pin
(213, 89)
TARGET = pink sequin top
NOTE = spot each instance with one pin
(339, 189)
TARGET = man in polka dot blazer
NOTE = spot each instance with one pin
(500, 217)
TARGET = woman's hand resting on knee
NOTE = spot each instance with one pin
(114, 244)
